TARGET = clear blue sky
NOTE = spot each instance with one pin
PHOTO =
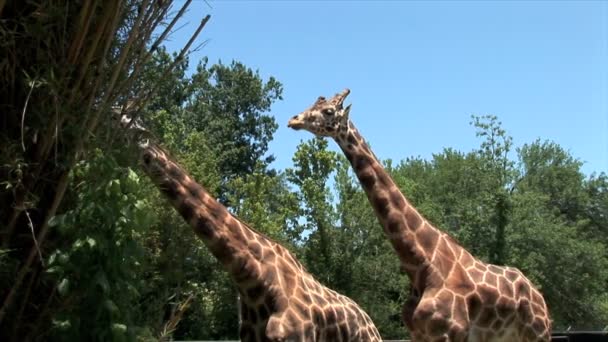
(418, 70)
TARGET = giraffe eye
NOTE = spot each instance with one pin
(328, 111)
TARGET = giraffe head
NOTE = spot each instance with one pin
(152, 158)
(324, 118)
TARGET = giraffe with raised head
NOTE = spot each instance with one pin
(453, 296)
(280, 300)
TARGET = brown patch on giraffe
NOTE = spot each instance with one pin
(269, 258)
(394, 223)
(275, 303)
(225, 253)
(330, 316)
(445, 301)
(444, 250)
(474, 306)
(203, 228)
(361, 164)
(351, 140)
(256, 250)
(505, 287)
(397, 199)
(539, 326)
(522, 290)
(536, 297)
(529, 334)
(476, 275)
(381, 205)
(438, 326)
(505, 307)
(481, 267)
(263, 241)
(491, 279)
(495, 269)
(405, 250)
(497, 325)
(343, 329)
(486, 316)
(247, 232)
(511, 275)
(169, 189)
(524, 310)
(413, 219)
(254, 293)
(187, 209)
(300, 308)
(219, 213)
(427, 238)
(349, 156)
(488, 295)
(537, 309)
(306, 298)
(175, 173)
(289, 281)
(195, 190)
(466, 259)
(460, 308)
(318, 318)
(263, 312)
(367, 179)
(340, 316)
(308, 331)
(460, 281)
(243, 270)
(381, 176)
(442, 265)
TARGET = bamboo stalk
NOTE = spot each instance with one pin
(61, 187)
(86, 15)
(179, 57)
(154, 46)
(24, 302)
(84, 66)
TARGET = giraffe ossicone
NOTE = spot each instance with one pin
(280, 299)
(454, 296)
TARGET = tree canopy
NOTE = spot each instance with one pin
(119, 264)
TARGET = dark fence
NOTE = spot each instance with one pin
(580, 336)
(565, 336)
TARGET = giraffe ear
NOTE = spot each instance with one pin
(346, 111)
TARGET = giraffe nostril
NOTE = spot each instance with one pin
(147, 158)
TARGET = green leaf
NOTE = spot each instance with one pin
(63, 287)
(91, 242)
(119, 328)
(102, 281)
(56, 220)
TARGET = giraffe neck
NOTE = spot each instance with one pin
(238, 247)
(414, 239)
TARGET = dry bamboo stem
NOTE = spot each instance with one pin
(84, 67)
(139, 103)
(86, 15)
(61, 187)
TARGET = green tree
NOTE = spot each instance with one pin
(227, 103)
(313, 166)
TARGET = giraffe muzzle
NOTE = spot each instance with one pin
(295, 123)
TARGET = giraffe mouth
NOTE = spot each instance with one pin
(295, 123)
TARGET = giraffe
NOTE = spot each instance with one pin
(280, 299)
(453, 295)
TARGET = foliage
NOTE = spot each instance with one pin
(115, 262)
(99, 266)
